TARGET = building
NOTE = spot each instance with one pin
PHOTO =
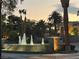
(73, 27)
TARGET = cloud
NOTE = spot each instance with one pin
(71, 9)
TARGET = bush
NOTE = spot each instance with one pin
(72, 47)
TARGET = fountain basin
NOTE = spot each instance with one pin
(27, 48)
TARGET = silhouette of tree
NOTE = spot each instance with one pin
(4, 24)
(29, 27)
(40, 28)
(23, 23)
(13, 37)
(51, 30)
(20, 12)
(13, 28)
(6, 7)
(56, 18)
(15, 23)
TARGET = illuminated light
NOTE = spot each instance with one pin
(70, 29)
(53, 28)
(56, 43)
(72, 34)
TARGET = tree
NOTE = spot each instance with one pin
(13, 37)
(29, 27)
(39, 31)
(15, 23)
(12, 28)
(40, 28)
(51, 29)
(22, 11)
(56, 18)
(23, 24)
(75, 31)
(8, 6)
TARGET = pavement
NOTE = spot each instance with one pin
(39, 56)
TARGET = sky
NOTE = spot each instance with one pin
(41, 9)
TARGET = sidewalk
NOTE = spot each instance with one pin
(76, 46)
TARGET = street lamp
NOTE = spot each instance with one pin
(65, 5)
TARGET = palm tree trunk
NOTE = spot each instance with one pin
(55, 29)
(0, 18)
(66, 25)
(0, 14)
(21, 33)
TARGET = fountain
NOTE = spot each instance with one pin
(42, 41)
(23, 47)
(19, 40)
(24, 39)
(31, 42)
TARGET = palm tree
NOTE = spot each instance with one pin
(15, 22)
(24, 12)
(49, 25)
(20, 12)
(0, 9)
(56, 18)
(29, 28)
(39, 30)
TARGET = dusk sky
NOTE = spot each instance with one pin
(41, 9)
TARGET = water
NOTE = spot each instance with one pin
(19, 39)
(31, 43)
(42, 41)
(24, 40)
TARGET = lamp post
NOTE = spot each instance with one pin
(65, 5)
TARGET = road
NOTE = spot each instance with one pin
(40, 56)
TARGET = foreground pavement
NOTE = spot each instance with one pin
(39, 56)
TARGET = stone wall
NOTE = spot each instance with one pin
(74, 39)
